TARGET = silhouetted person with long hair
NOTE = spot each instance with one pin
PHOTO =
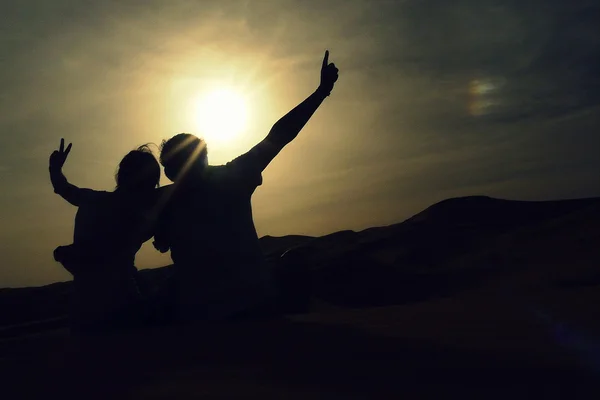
(219, 268)
(110, 227)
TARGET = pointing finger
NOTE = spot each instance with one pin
(68, 149)
(62, 145)
(326, 59)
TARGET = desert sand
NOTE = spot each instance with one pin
(473, 297)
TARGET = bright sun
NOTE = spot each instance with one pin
(221, 115)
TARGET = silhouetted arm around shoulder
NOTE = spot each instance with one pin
(289, 126)
(61, 185)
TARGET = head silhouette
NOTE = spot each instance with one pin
(183, 154)
(138, 171)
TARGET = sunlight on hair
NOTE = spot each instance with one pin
(221, 116)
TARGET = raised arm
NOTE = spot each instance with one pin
(288, 127)
(62, 187)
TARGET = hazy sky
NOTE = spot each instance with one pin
(436, 99)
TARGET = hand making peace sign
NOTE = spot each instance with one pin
(58, 157)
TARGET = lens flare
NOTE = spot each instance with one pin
(483, 96)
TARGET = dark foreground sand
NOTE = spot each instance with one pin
(486, 346)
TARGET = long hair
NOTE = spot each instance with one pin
(138, 170)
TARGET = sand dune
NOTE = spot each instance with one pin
(474, 297)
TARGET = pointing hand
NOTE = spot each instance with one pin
(329, 74)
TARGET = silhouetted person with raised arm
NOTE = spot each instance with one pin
(110, 227)
(219, 268)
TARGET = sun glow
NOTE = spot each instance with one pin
(221, 116)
